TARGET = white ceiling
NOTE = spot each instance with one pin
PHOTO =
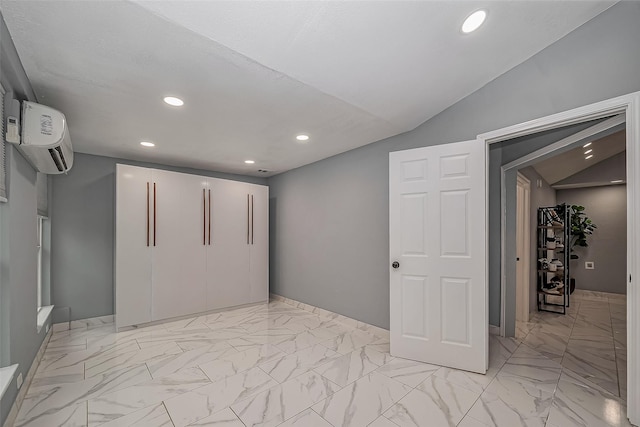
(569, 163)
(254, 74)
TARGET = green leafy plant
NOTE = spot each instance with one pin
(581, 228)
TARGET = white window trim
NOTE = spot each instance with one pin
(6, 375)
(3, 169)
(43, 315)
(39, 255)
(43, 312)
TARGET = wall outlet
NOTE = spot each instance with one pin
(589, 265)
(19, 380)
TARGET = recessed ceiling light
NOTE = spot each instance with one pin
(172, 100)
(147, 144)
(473, 21)
(302, 137)
(588, 157)
(588, 151)
(249, 162)
(586, 145)
(616, 181)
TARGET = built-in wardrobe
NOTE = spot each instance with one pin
(187, 244)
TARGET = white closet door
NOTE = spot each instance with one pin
(133, 245)
(259, 248)
(228, 254)
(179, 251)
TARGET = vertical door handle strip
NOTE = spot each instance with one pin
(154, 213)
(252, 219)
(204, 217)
(247, 219)
(147, 213)
(209, 216)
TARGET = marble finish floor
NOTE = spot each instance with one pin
(279, 365)
(591, 339)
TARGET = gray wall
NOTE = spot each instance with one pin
(540, 197)
(82, 239)
(19, 340)
(330, 234)
(607, 207)
(19, 262)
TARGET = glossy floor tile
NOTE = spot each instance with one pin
(590, 340)
(288, 364)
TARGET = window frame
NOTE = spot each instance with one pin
(39, 234)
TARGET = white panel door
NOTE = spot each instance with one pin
(133, 245)
(259, 247)
(227, 262)
(437, 220)
(179, 245)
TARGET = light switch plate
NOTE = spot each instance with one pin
(589, 265)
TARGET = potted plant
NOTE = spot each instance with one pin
(581, 228)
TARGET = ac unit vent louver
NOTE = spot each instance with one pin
(56, 159)
(64, 161)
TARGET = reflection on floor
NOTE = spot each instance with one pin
(280, 365)
(591, 339)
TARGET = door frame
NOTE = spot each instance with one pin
(525, 287)
(629, 105)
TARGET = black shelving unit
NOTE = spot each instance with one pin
(553, 245)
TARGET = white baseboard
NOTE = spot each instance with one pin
(15, 408)
(493, 330)
(186, 316)
(583, 294)
(90, 323)
(330, 315)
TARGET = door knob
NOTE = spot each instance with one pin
(395, 264)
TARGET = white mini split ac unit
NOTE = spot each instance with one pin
(45, 139)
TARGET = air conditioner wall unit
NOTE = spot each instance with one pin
(45, 139)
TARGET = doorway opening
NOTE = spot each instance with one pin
(578, 283)
(626, 108)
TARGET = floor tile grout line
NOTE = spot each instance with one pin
(553, 396)
(599, 339)
(566, 347)
(386, 418)
(488, 385)
(277, 385)
(479, 396)
(168, 414)
(327, 421)
(237, 416)
(293, 416)
(615, 351)
(260, 367)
